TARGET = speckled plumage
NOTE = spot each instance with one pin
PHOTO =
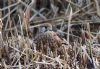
(47, 39)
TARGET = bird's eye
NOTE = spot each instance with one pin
(45, 26)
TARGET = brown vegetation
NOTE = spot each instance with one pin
(49, 34)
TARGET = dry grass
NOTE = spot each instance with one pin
(76, 21)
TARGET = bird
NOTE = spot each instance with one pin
(47, 40)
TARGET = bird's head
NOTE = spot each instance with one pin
(45, 27)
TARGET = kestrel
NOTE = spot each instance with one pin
(47, 40)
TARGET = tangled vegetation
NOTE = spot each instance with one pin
(49, 34)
